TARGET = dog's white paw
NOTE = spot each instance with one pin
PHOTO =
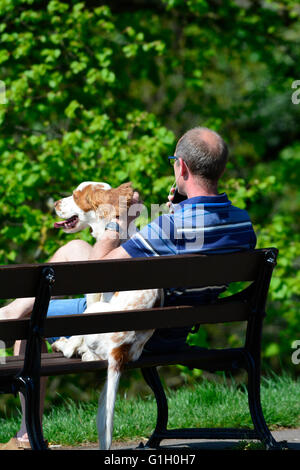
(60, 344)
(68, 346)
(73, 345)
(89, 356)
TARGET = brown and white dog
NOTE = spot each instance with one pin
(94, 204)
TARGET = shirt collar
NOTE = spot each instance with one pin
(220, 199)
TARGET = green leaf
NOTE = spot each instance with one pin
(71, 109)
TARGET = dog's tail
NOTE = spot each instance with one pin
(106, 408)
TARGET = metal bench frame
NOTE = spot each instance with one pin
(22, 374)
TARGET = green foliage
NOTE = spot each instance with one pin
(102, 93)
(68, 117)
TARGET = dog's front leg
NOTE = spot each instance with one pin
(68, 346)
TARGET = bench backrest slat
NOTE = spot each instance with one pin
(131, 274)
(224, 310)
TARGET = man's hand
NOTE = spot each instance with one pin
(109, 245)
(135, 209)
(170, 199)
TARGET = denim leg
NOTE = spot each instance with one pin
(59, 307)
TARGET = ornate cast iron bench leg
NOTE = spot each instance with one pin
(255, 407)
(28, 381)
(151, 377)
(30, 389)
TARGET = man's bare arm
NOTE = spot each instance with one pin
(108, 247)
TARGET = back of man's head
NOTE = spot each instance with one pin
(204, 152)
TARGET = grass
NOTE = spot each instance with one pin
(207, 404)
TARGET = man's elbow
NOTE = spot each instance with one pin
(117, 253)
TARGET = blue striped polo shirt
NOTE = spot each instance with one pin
(202, 224)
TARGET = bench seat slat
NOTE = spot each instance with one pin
(57, 364)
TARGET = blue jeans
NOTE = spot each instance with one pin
(59, 307)
(163, 340)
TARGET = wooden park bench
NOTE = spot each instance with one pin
(58, 279)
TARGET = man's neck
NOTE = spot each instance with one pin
(201, 190)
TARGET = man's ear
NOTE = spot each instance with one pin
(184, 171)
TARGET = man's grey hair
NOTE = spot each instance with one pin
(204, 152)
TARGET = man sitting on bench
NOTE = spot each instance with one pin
(204, 222)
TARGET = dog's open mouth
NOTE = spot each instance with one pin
(69, 223)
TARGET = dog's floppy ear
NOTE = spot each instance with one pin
(107, 203)
(124, 194)
(113, 202)
(89, 197)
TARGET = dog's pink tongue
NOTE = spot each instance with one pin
(69, 223)
(59, 224)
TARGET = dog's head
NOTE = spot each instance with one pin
(92, 205)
